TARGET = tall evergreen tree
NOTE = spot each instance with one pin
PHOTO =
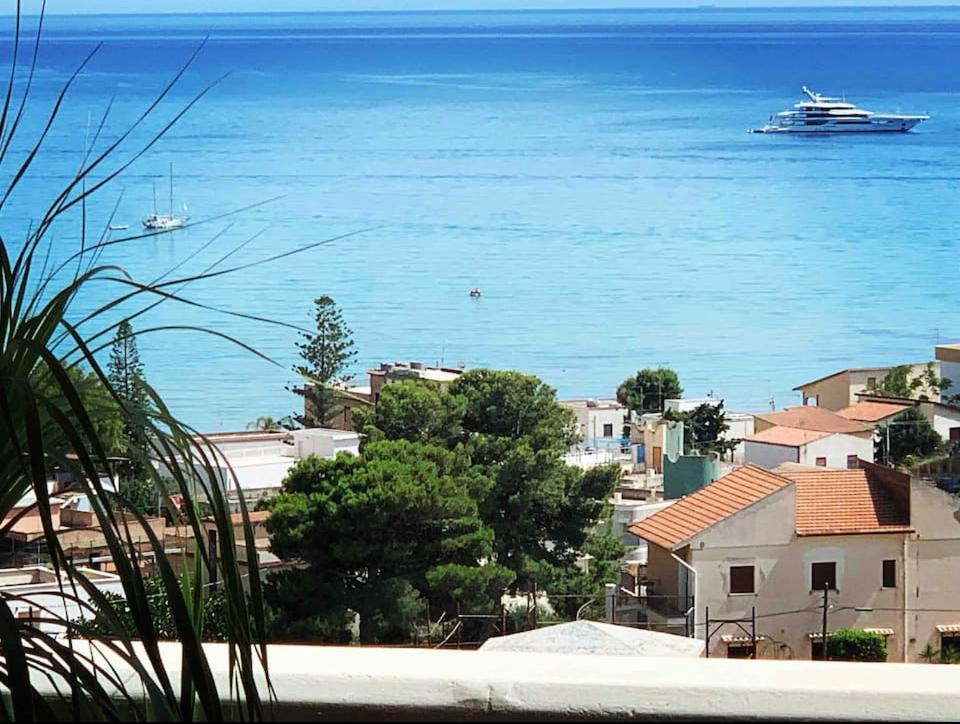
(125, 373)
(326, 355)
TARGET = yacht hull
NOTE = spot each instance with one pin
(877, 124)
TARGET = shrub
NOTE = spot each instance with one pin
(852, 645)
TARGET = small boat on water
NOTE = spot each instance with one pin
(475, 293)
(165, 222)
(828, 114)
(119, 227)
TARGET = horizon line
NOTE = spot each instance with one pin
(810, 5)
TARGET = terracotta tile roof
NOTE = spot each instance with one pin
(842, 502)
(256, 516)
(711, 504)
(786, 436)
(870, 411)
(828, 502)
(811, 417)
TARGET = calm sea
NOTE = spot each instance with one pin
(589, 171)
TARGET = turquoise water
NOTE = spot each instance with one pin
(589, 171)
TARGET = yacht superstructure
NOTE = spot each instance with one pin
(828, 114)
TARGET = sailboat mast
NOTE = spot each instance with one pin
(171, 189)
(154, 185)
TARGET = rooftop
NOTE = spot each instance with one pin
(593, 404)
(828, 502)
(857, 369)
(417, 369)
(844, 502)
(872, 411)
(811, 417)
(712, 503)
(787, 436)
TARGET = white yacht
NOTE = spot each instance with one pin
(826, 114)
(164, 222)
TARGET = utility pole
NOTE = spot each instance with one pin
(823, 631)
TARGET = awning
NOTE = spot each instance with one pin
(949, 628)
(817, 635)
(738, 640)
(881, 631)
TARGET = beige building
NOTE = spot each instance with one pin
(758, 543)
(367, 395)
(808, 435)
(600, 422)
(839, 390)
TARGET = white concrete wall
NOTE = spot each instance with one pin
(741, 426)
(836, 448)
(943, 419)
(767, 455)
(39, 596)
(328, 683)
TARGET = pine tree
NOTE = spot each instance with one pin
(326, 355)
(125, 372)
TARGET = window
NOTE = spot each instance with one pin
(853, 462)
(740, 651)
(816, 650)
(741, 579)
(608, 429)
(890, 574)
(955, 434)
(822, 462)
(823, 575)
(871, 383)
(949, 645)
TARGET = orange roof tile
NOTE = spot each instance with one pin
(828, 502)
(256, 516)
(871, 411)
(787, 436)
(842, 502)
(811, 417)
(711, 504)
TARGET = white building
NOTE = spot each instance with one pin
(258, 462)
(37, 592)
(600, 422)
(776, 445)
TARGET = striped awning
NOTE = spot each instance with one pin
(738, 640)
(948, 628)
(881, 631)
(816, 636)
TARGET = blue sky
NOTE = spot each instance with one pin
(139, 6)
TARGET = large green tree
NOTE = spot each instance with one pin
(414, 410)
(704, 429)
(908, 435)
(647, 390)
(382, 529)
(326, 354)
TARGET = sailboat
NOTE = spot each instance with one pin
(164, 222)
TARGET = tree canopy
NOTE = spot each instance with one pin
(459, 493)
(910, 435)
(399, 517)
(704, 428)
(647, 390)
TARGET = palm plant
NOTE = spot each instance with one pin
(46, 428)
